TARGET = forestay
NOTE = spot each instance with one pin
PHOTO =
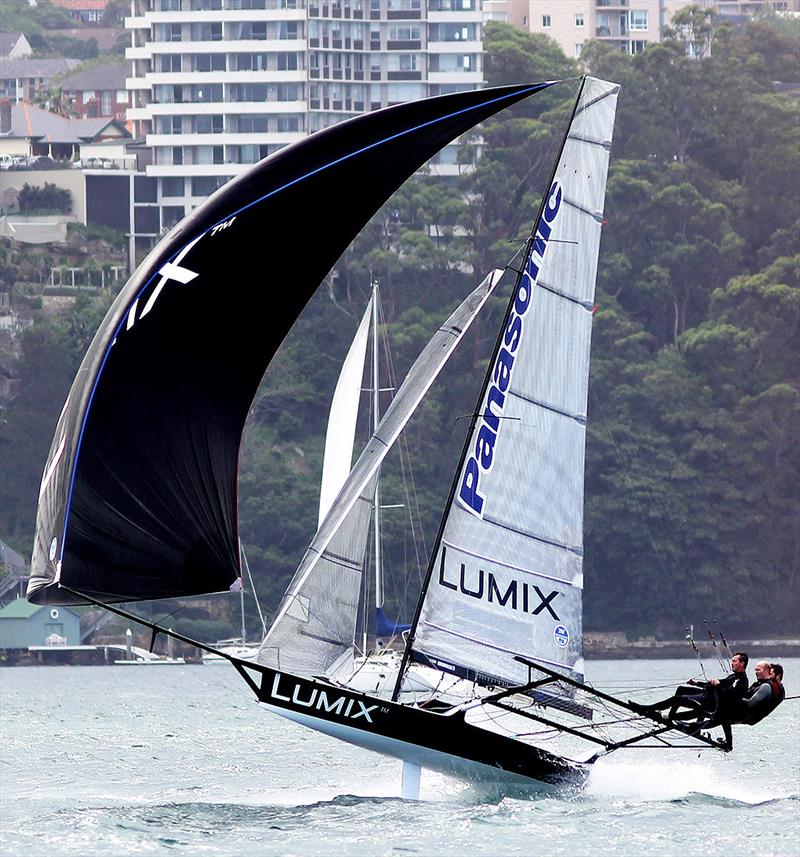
(507, 575)
(316, 623)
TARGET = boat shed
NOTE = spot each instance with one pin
(23, 624)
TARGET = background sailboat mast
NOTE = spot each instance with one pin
(376, 418)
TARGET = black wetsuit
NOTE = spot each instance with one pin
(760, 699)
(703, 698)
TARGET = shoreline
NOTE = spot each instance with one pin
(597, 648)
(613, 647)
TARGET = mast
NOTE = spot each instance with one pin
(376, 418)
(476, 413)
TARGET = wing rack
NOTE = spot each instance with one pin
(593, 730)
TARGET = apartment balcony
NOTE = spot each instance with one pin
(254, 46)
(404, 45)
(133, 83)
(334, 12)
(403, 14)
(611, 4)
(455, 16)
(403, 75)
(195, 169)
(473, 47)
(444, 77)
(229, 138)
(213, 16)
(252, 76)
(143, 52)
(198, 108)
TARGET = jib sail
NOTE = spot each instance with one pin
(138, 497)
(506, 577)
(316, 623)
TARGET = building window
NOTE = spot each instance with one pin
(122, 96)
(636, 46)
(579, 19)
(288, 123)
(637, 19)
(545, 22)
(168, 62)
(578, 49)
(208, 124)
(204, 185)
(172, 186)
(209, 62)
(247, 124)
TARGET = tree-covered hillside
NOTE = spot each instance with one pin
(692, 507)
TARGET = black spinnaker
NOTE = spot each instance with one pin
(138, 497)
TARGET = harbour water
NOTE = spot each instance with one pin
(179, 760)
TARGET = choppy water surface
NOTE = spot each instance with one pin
(166, 759)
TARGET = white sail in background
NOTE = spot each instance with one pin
(340, 437)
(508, 574)
(315, 624)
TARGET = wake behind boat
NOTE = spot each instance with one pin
(489, 684)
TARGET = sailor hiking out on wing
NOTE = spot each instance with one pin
(704, 698)
(761, 699)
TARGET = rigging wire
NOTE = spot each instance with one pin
(720, 659)
(690, 637)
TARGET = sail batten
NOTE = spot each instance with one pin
(506, 578)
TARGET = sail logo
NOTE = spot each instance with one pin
(480, 461)
(561, 636)
(342, 706)
(516, 595)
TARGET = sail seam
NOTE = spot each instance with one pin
(508, 565)
(553, 410)
(558, 293)
(491, 646)
(497, 523)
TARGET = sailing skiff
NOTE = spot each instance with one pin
(138, 497)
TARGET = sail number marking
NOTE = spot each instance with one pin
(480, 461)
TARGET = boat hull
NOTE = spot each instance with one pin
(443, 742)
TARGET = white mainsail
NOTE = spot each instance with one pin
(316, 622)
(507, 578)
(342, 418)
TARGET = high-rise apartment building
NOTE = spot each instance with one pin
(629, 25)
(219, 84)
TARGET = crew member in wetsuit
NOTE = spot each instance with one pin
(712, 694)
(762, 698)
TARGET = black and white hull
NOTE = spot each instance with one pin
(440, 741)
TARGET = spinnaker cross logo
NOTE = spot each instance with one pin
(488, 428)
